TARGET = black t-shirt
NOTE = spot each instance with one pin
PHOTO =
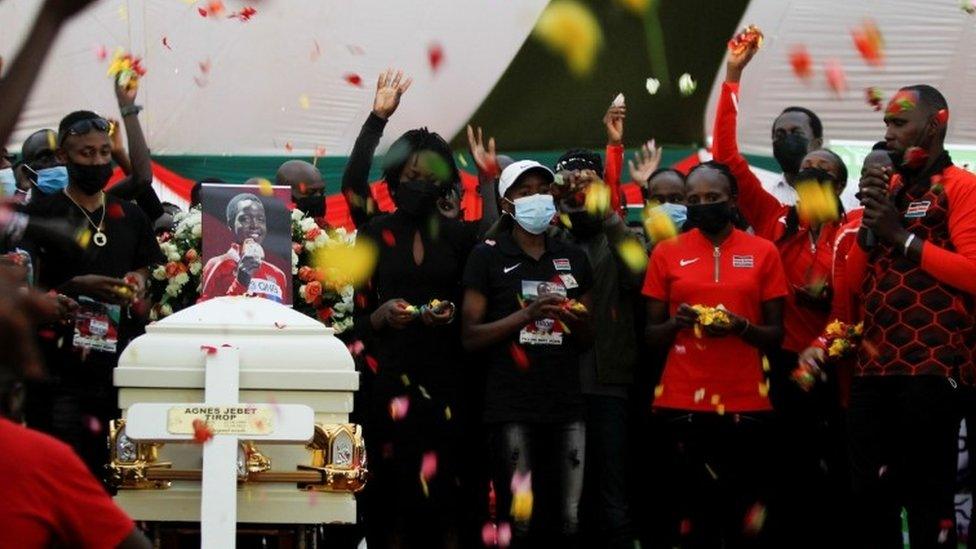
(533, 376)
(131, 244)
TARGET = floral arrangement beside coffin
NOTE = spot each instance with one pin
(176, 284)
(319, 294)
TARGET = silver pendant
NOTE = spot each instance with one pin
(100, 239)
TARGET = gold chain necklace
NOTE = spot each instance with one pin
(99, 237)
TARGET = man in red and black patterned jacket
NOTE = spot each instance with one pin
(917, 304)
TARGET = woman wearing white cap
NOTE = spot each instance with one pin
(526, 306)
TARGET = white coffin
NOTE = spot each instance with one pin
(285, 358)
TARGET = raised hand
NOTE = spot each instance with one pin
(126, 95)
(737, 62)
(648, 159)
(390, 87)
(613, 120)
(484, 157)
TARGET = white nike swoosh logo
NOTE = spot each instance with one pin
(685, 262)
(512, 268)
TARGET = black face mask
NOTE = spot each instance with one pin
(417, 198)
(89, 179)
(584, 225)
(710, 218)
(313, 206)
(789, 152)
(814, 174)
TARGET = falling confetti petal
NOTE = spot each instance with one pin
(652, 85)
(869, 43)
(264, 187)
(754, 519)
(633, 254)
(875, 97)
(372, 363)
(303, 101)
(816, 202)
(346, 264)
(522, 496)
(101, 53)
(836, 79)
(504, 535)
(658, 391)
(201, 431)
(687, 85)
(519, 356)
(94, 425)
(435, 56)
(353, 79)
(801, 62)
(569, 28)
(288, 146)
(355, 50)
(316, 51)
(208, 349)
(399, 406)
(244, 15)
(489, 534)
(388, 238)
(428, 466)
(166, 44)
(658, 224)
(597, 201)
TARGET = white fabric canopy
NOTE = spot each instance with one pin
(261, 69)
(926, 42)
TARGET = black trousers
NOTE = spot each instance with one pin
(717, 481)
(810, 463)
(605, 506)
(903, 443)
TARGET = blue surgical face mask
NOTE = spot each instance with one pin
(50, 180)
(8, 183)
(534, 213)
(677, 212)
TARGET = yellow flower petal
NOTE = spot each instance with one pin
(569, 28)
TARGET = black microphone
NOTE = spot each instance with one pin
(866, 239)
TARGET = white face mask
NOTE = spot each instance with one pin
(535, 212)
(8, 183)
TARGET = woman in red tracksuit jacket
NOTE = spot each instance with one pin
(810, 472)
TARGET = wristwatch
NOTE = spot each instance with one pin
(130, 109)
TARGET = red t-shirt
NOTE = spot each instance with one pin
(740, 275)
(48, 497)
(220, 278)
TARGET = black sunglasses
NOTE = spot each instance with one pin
(83, 127)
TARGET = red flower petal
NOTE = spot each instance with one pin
(114, 211)
(166, 44)
(202, 12)
(208, 349)
(801, 62)
(836, 79)
(354, 79)
(372, 363)
(518, 355)
(201, 431)
(428, 466)
(435, 56)
(388, 238)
